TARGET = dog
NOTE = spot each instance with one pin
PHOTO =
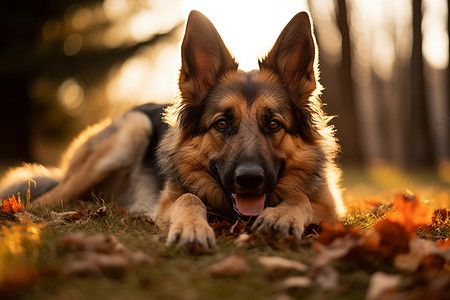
(239, 144)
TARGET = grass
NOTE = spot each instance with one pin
(33, 256)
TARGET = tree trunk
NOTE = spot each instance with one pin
(448, 82)
(347, 122)
(418, 138)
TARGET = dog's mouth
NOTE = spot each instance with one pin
(249, 204)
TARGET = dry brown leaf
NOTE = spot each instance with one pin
(232, 266)
(100, 255)
(297, 282)
(394, 239)
(94, 264)
(65, 217)
(94, 243)
(80, 267)
(382, 284)
(26, 218)
(339, 248)
(330, 231)
(281, 265)
(15, 279)
(242, 240)
(327, 278)
(99, 213)
(422, 252)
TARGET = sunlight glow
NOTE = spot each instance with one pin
(51, 29)
(82, 18)
(71, 96)
(150, 75)
(72, 44)
(248, 28)
(135, 23)
(435, 43)
(115, 9)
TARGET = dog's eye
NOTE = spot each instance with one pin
(274, 124)
(221, 124)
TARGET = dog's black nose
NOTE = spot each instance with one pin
(249, 176)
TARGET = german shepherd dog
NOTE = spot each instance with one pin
(238, 144)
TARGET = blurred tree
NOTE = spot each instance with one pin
(418, 134)
(448, 81)
(348, 134)
(28, 60)
(20, 23)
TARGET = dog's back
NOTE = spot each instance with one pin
(115, 157)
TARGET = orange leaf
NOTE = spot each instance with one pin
(11, 206)
(330, 231)
(410, 213)
(394, 238)
(443, 244)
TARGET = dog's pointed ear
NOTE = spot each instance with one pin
(204, 57)
(293, 56)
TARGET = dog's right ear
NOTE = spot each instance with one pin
(204, 57)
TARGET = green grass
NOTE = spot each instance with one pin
(40, 255)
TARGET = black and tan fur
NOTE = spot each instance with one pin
(234, 136)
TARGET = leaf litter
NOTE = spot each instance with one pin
(418, 267)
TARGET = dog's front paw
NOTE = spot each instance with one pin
(280, 223)
(193, 233)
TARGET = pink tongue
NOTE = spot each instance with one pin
(250, 205)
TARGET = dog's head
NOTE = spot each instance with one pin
(248, 127)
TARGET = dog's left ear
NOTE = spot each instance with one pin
(293, 57)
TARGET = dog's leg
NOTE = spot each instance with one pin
(114, 148)
(185, 219)
(288, 217)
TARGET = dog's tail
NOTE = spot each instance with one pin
(30, 180)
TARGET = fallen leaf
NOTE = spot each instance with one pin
(339, 248)
(99, 213)
(80, 267)
(297, 282)
(382, 284)
(410, 213)
(281, 265)
(65, 217)
(16, 278)
(330, 231)
(227, 229)
(443, 244)
(98, 254)
(26, 218)
(112, 265)
(327, 278)
(11, 205)
(221, 228)
(232, 266)
(418, 249)
(95, 264)
(433, 263)
(94, 243)
(423, 253)
(394, 239)
(242, 240)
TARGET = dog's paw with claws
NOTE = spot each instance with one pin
(280, 223)
(194, 233)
